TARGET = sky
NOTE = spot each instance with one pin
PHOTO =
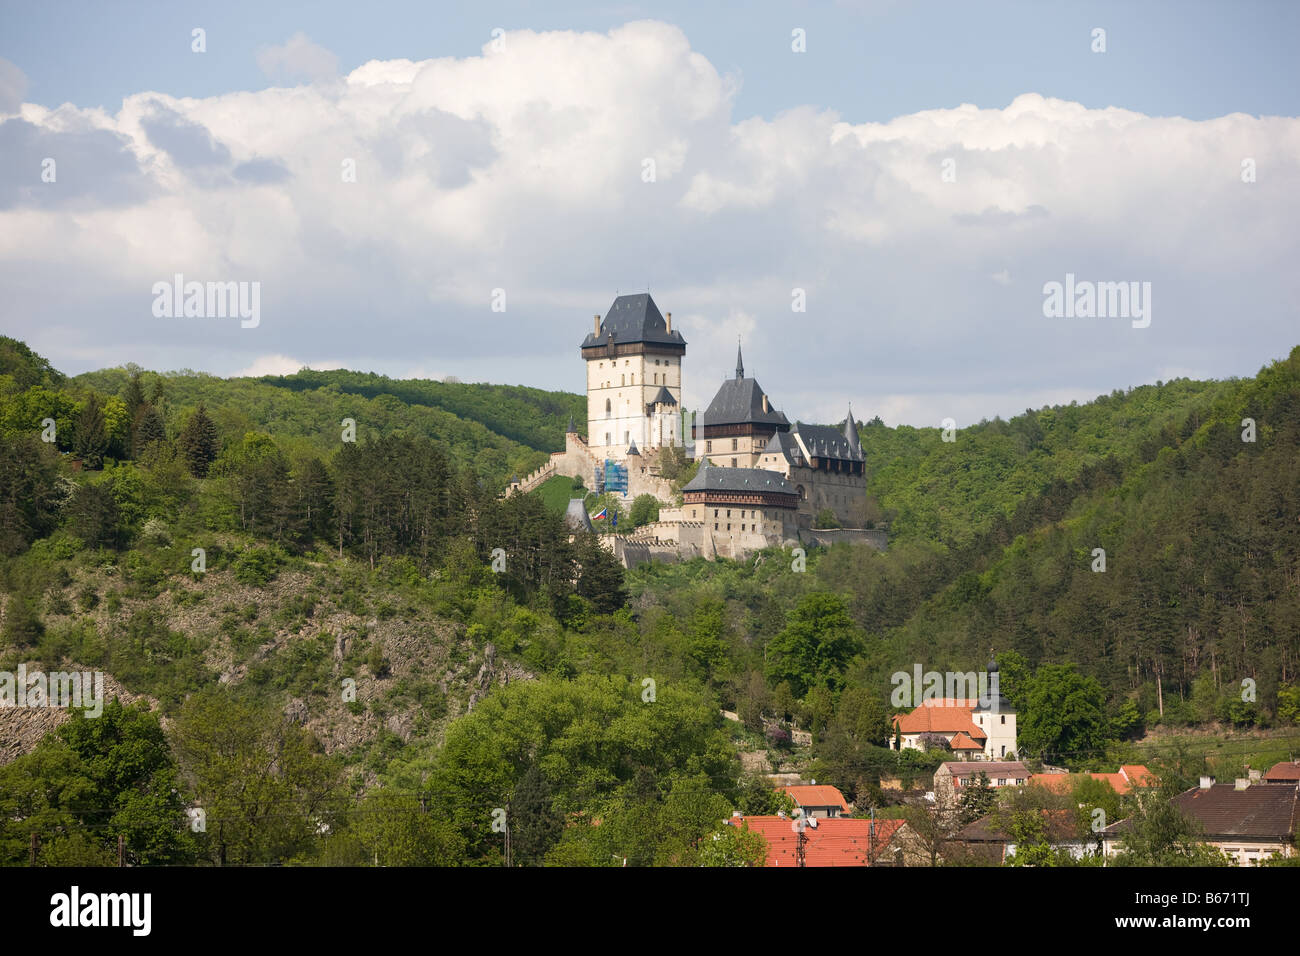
(875, 197)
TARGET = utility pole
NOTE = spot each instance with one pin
(36, 841)
(121, 850)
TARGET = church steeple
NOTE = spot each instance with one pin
(740, 363)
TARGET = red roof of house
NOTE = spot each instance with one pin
(962, 741)
(1286, 770)
(1128, 777)
(837, 841)
(944, 716)
(819, 795)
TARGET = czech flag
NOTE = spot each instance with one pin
(600, 515)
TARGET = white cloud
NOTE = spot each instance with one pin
(520, 170)
(298, 59)
(282, 365)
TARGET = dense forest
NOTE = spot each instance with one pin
(357, 651)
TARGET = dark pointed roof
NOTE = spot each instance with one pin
(740, 362)
(634, 318)
(740, 402)
(571, 427)
(631, 448)
(851, 432)
(576, 517)
(781, 443)
(663, 397)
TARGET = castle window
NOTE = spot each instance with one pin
(715, 512)
(607, 408)
(625, 437)
(715, 526)
(734, 446)
(1004, 720)
(733, 463)
(708, 446)
(728, 515)
(742, 527)
(606, 438)
(622, 380)
(728, 526)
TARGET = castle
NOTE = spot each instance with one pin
(761, 480)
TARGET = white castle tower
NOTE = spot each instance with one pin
(634, 379)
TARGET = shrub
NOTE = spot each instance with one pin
(258, 566)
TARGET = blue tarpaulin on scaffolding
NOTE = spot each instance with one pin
(615, 476)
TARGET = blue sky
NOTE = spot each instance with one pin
(522, 170)
(869, 60)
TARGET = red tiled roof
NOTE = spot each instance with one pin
(1128, 777)
(962, 741)
(1286, 770)
(838, 841)
(947, 716)
(819, 795)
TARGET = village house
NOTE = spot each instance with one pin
(818, 800)
(955, 775)
(987, 841)
(1122, 781)
(1247, 821)
(1286, 772)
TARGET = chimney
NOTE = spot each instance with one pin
(1241, 783)
(668, 317)
(1206, 782)
(596, 332)
(765, 405)
(1255, 775)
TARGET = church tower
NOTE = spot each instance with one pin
(634, 379)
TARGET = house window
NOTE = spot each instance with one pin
(1002, 782)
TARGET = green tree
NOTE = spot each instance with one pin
(645, 509)
(199, 443)
(390, 828)
(93, 779)
(534, 825)
(262, 782)
(23, 626)
(89, 437)
(733, 846)
(815, 646)
(977, 800)
(1064, 715)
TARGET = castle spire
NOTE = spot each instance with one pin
(851, 433)
(740, 363)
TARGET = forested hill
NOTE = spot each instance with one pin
(498, 430)
(323, 563)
